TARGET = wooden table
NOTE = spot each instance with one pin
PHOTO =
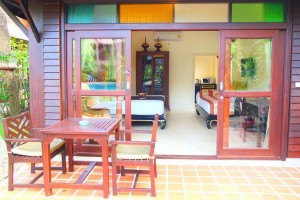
(97, 129)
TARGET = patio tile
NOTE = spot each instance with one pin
(178, 182)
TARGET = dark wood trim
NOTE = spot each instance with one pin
(165, 1)
(179, 26)
(287, 81)
(30, 21)
(12, 3)
(64, 104)
(36, 69)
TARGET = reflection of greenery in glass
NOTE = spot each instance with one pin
(147, 73)
(250, 64)
(102, 59)
(248, 67)
(158, 79)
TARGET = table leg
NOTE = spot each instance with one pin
(105, 166)
(70, 154)
(46, 166)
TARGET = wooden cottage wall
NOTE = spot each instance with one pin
(294, 131)
(51, 61)
(45, 64)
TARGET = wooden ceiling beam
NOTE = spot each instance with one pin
(30, 21)
(12, 3)
(14, 18)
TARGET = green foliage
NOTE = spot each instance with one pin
(248, 67)
(1, 130)
(14, 85)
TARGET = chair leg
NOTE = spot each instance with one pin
(10, 175)
(63, 162)
(155, 167)
(114, 178)
(152, 178)
(32, 168)
(122, 171)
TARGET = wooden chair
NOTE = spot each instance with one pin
(135, 154)
(24, 147)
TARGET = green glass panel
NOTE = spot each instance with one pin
(258, 12)
(89, 13)
(80, 13)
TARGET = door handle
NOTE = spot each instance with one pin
(221, 85)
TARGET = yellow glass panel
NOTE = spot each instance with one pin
(201, 12)
(146, 13)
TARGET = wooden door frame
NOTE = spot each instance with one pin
(71, 92)
(276, 94)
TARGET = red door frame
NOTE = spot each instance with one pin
(275, 94)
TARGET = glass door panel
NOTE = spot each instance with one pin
(250, 65)
(99, 78)
(248, 93)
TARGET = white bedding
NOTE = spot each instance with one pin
(205, 105)
(138, 107)
(146, 107)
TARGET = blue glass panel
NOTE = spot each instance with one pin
(89, 13)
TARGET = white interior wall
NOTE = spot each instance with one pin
(181, 64)
(206, 66)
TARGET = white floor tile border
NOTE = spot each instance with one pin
(290, 162)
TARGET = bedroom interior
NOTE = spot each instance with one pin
(194, 55)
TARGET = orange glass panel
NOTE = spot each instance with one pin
(146, 13)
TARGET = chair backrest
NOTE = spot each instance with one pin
(18, 127)
(154, 133)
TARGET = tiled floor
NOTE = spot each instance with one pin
(180, 180)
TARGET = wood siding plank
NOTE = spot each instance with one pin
(296, 56)
(295, 113)
(294, 147)
(51, 35)
(51, 42)
(52, 83)
(295, 140)
(49, 122)
(294, 121)
(50, 27)
(51, 76)
(52, 96)
(51, 103)
(53, 49)
(51, 89)
(51, 69)
(52, 109)
(51, 56)
(51, 62)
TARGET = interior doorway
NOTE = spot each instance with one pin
(186, 132)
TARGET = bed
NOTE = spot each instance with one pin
(144, 108)
(207, 105)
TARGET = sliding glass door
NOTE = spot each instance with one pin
(250, 79)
